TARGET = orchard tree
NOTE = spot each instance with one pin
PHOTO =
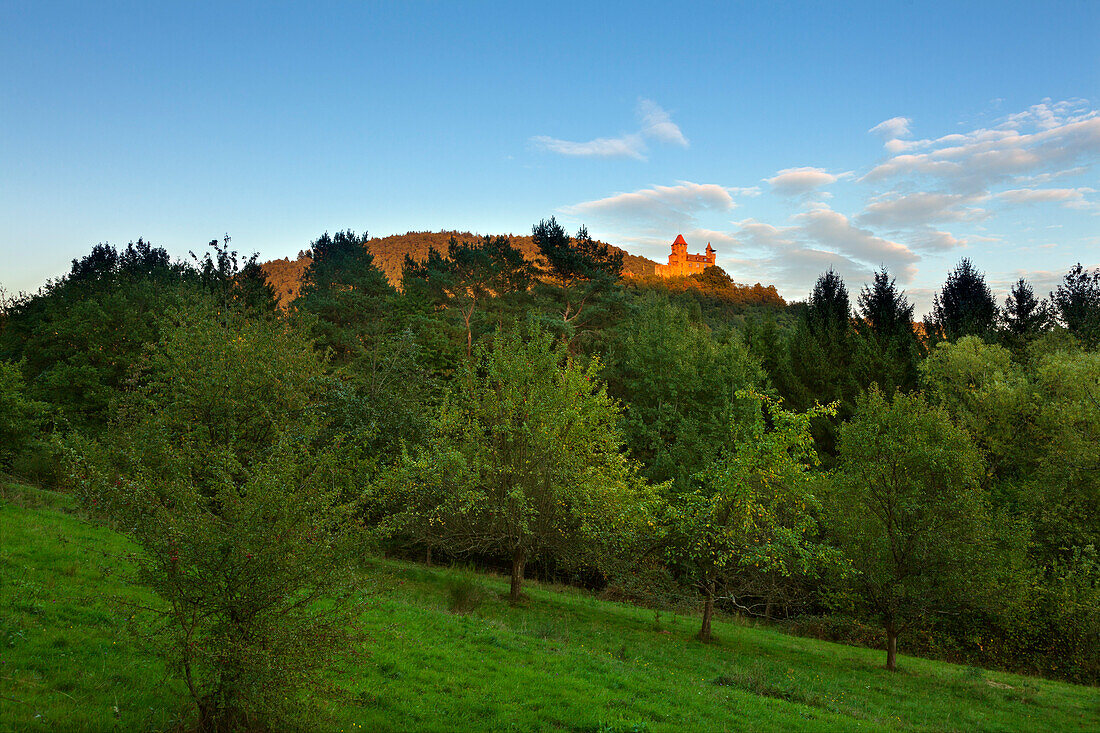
(908, 511)
(212, 466)
(965, 306)
(524, 462)
(752, 508)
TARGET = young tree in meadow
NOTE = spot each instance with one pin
(580, 279)
(751, 508)
(346, 294)
(524, 462)
(1077, 303)
(213, 467)
(908, 511)
(965, 306)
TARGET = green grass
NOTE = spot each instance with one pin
(564, 660)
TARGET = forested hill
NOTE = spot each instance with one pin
(285, 275)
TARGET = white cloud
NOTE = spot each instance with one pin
(628, 146)
(922, 207)
(797, 181)
(1045, 138)
(1071, 197)
(656, 125)
(931, 239)
(833, 230)
(892, 128)
(668, 207)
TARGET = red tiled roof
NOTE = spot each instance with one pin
(680, 240)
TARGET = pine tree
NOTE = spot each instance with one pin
(346, 292)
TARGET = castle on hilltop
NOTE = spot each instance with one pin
(681, 263)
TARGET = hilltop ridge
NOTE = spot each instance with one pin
(285, 274)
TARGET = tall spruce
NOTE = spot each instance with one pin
(1024, 317)
(889, 350)
(1077, 301)
(965, 306)
(821, 356)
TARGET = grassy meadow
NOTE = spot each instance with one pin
(445, 651)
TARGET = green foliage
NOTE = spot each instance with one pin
(751, 507)
(1077, 303)
(677, 382)
(472, 275)
(909, 513)
(820, 356)
(965, 306)
(580, 280)
(212, 467)
(523, 461)
(889, 351)
(21, 418)
(235, 286)
(1024, 317)
(556, 662)
(345, 293)
(79, 336)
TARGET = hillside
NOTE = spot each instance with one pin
(389, 254)
(564, 660)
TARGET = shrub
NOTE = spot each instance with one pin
(465, 595)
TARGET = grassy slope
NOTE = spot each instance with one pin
(565, 660)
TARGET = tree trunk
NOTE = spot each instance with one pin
(891, 647)
(519, 558)
(428, 556)
(708, 610)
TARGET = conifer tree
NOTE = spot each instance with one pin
(580, 278)
(1024, 316)
(1077, 301)
(347, 294)
(965, 306)
(889, 350)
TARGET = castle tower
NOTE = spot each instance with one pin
(681, 263)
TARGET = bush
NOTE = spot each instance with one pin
(212, 466)
(465, 594)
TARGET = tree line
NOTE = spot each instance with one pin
(819, 464)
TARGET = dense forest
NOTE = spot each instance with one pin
(831, 466)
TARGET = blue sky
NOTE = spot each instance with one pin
(793, 136)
